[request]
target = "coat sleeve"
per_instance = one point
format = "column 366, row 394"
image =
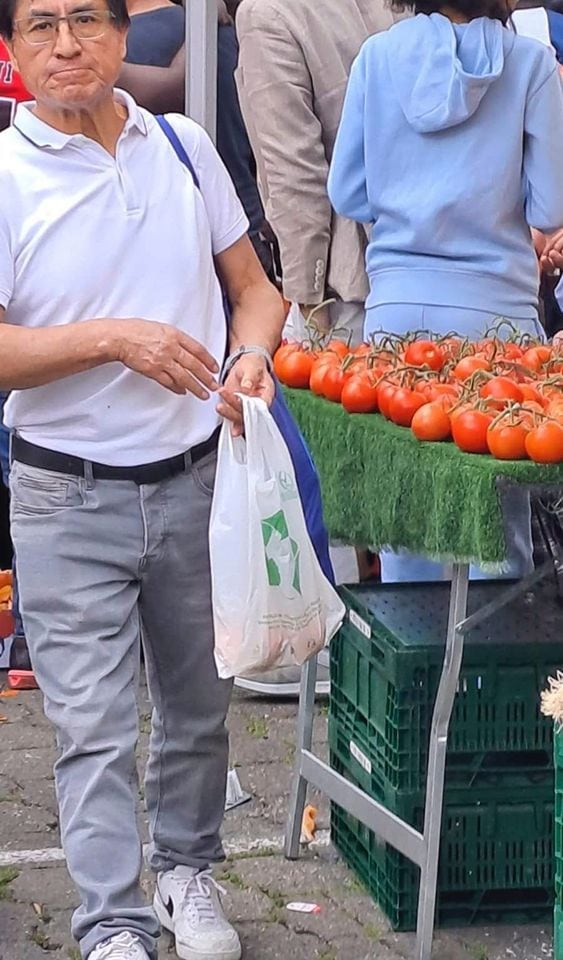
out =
column 543, row 145
column 347, row 182
column 276, row 95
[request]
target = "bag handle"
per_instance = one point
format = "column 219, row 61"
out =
column 259, row 424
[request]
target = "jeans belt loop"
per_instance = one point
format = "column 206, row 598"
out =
column 89, row 475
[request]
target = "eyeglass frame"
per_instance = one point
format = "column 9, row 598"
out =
column 108, row 16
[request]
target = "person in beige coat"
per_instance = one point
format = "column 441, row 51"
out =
column 294, row 62
column 295, row 59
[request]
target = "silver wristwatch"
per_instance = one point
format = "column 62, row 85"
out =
column 240, row 352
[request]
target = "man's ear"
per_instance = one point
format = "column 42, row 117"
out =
column 124, row 33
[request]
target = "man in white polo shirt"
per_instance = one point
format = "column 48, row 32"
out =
column 113, row 337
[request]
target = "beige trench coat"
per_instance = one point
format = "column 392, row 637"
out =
column 295, row 58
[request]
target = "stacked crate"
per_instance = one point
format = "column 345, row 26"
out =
column 558, row 915
column 497, row 849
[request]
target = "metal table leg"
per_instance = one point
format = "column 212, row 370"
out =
column 304, row 742
column 437, row 761
column 421, row 848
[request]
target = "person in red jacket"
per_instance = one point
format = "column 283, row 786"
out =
column 20, row 674
column 12, row 90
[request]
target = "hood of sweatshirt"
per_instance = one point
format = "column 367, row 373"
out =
column 441, row 71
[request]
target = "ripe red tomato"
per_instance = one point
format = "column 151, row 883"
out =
column 282, row 353
column 295, row 369
column 466, row 367
column 385, row 391
column 535, row 357
column 431, row 422
column 450, row 347
column 502, row 390
column 403, row 405
column 359, row 395
column 469, row 430
column 529, row 392
column 355, row 367
column 544, row 443
column 340, row 348
column 333, row 382
column 329, row 355
column 486, row 348
column 507, row 441
column 363, row 350
column 511, row 351
column 424, row 387
column 424, row 353
column 555, row 408
column 316, row 380
column 446, row 393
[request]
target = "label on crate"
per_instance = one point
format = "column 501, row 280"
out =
column 358, row 755
column 360, row 624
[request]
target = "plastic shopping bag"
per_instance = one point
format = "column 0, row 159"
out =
column 272, row 604
column 308, row 482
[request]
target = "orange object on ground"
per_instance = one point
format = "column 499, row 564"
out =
column 6, row 624
column 309, row 824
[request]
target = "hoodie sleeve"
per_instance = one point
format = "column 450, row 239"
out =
column 543, row 153
column 347, row 182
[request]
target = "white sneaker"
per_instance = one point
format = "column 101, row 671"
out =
column 124, row 946
column 285, row 681
column 187, row 903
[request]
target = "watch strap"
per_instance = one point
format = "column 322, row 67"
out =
column 241, row 352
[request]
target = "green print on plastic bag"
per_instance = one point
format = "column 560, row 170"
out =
column 281, row 553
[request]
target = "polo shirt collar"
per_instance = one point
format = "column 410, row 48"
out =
column 43, row 135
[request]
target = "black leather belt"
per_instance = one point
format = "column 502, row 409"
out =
column 34, row 456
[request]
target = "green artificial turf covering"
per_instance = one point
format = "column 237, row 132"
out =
column 383, row 487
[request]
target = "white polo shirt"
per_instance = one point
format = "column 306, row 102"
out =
column 83, row 236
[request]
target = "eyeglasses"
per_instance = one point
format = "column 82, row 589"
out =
column 83, row 24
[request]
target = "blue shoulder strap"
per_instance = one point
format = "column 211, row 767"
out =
column 177, row 146
column 170, row 133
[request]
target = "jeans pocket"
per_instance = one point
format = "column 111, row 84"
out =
column 38, row 492
column 204, row 473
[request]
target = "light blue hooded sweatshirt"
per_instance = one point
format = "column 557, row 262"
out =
column 451, row 146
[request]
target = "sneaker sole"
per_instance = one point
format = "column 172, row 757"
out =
column 185, row 952
column 322, row 688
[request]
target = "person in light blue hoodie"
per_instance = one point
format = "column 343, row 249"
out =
column 450, row 147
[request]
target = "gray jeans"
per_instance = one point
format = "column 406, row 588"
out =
column 96, row 559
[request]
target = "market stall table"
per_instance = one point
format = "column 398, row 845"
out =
column 383, row 487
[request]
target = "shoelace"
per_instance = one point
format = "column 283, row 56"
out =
column 197, row 891
column 122, row 947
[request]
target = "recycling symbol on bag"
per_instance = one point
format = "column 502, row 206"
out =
column 282, row 555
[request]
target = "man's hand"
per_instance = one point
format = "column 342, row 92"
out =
column 539, row 241
column 552, row 255
column 250, row 375
column 224, row 17
column 165, row 354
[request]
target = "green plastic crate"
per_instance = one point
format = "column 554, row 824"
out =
column 385, row 669
column 496, row 858
column 558, row 933
column 558, row 917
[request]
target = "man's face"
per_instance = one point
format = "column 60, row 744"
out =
column 66, row 73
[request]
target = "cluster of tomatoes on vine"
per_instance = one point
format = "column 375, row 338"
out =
column 495, row 396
